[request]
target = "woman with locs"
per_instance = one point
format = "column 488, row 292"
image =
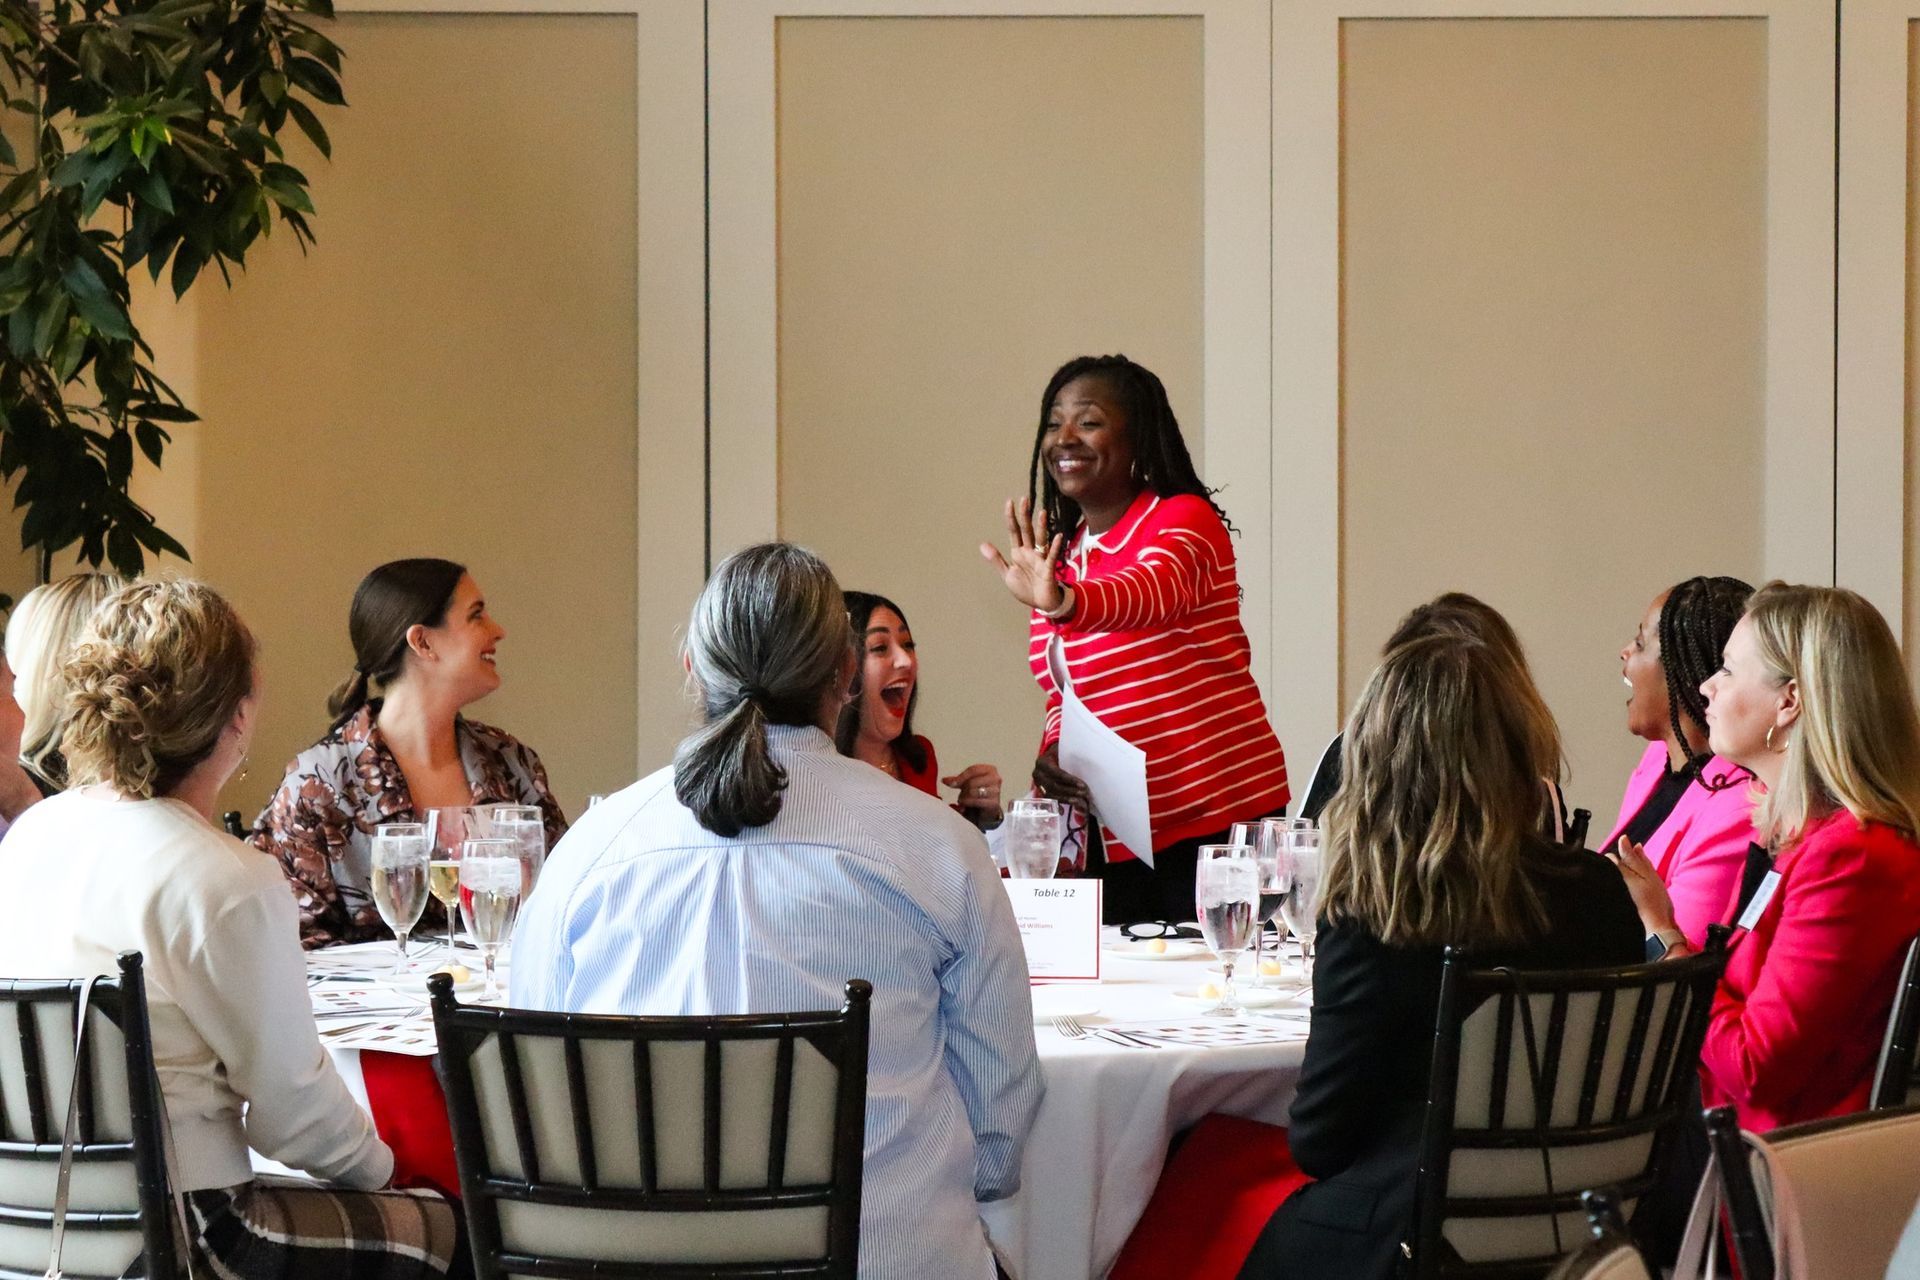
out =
column 1127, row 565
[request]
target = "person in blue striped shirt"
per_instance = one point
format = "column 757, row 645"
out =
column 763, row 869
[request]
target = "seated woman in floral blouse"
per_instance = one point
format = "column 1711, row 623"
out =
column 421, row 632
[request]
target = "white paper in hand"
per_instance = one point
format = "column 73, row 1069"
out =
column 1114, row 770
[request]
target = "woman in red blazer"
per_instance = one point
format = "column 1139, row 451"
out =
column 1813, row 698
column 1687, row 817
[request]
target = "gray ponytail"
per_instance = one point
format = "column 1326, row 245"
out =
column 766, row 643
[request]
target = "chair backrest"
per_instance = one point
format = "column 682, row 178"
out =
column 119, row 1216
column 1611, row 1254
column 1896, row 1082
column 1325, row 780
column 1615, row 1049
column 1849, row 1182
column 591, row 1145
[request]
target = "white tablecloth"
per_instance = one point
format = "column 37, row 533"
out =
column 1098, row 1144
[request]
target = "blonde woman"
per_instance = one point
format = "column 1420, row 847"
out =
column 160, row 710
column 1812, row 697
column 40, row 634
column 1433, row 840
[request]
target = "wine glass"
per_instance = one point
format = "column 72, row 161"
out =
column 400, row 872
column 448, row 828
column 1273, row 888
column 1300, row 864
column 522, row 824
column 1033, row 839
column 490, row 880
column 1226, row 889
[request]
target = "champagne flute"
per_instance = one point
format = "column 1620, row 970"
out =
column 522, row 824
column 1033, row 839
column 1273, row 888
column 1226, row 890
column 490, row 879
column 400, row 875
column 1300, row 863
column 449, row 827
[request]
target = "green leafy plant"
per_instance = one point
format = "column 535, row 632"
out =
column 152, row 137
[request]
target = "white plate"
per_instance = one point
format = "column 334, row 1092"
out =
column 1251, row 997
column 1177, row 949
column 1063, row 1002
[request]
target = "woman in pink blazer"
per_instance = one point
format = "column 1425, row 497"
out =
column 1687, row 818
column 1812, row 696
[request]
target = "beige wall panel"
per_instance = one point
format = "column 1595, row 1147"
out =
column 450, row 372
column 1553, row 334
column 965, row 204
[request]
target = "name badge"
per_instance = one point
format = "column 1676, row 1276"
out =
column 1059, row 926
column 1758, row 903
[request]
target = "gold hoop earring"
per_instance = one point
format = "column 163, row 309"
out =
column 1784, row 744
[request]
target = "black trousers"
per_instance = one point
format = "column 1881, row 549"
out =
column 1134, row 892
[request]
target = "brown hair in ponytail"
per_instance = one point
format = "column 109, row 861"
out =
column 767, row 642
column 388, row 603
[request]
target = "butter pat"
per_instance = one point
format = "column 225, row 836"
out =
column 1209, row 992
column 1157, row 946
column 458, row 972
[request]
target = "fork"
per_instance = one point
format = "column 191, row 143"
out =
column 1073, row 1029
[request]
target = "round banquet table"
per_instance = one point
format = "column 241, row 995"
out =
column 1093, row 1154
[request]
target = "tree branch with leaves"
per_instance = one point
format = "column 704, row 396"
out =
column 152, row 139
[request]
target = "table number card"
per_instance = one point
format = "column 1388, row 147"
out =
column 1060, row 926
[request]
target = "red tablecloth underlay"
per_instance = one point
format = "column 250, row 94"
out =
column 410, row 1113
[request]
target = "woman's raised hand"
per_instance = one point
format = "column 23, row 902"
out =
column 1027, row 568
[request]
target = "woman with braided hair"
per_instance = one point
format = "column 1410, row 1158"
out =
column 1124, row 558
column 1687, row 818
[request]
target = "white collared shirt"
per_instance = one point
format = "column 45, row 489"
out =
column 640, row 910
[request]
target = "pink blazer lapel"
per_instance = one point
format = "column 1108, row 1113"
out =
column 1646, row 776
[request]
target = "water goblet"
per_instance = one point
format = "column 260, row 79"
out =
column 490, row 881
column 522, row 824
column 1226, row 891
column 399, row 880
column 1033, row 839
column 1300, row 864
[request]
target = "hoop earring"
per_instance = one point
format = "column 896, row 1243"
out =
column 1784, row 743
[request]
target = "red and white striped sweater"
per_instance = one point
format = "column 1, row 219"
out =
column 1156, row 650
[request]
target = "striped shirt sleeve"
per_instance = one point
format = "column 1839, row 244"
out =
column 985, row 1002
column 1165, row 584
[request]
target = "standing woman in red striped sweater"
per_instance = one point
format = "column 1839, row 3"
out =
column 1134, row 596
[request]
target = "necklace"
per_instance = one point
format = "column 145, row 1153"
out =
column 890, row 765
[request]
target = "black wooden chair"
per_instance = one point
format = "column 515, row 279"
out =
column 120, row 1216
column 1503, row 1161
column 610, row 1148
column 1854, row 1182
column 1896, row 1082
column 1610, row 1253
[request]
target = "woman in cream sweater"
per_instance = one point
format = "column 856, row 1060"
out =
column 162, row 690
